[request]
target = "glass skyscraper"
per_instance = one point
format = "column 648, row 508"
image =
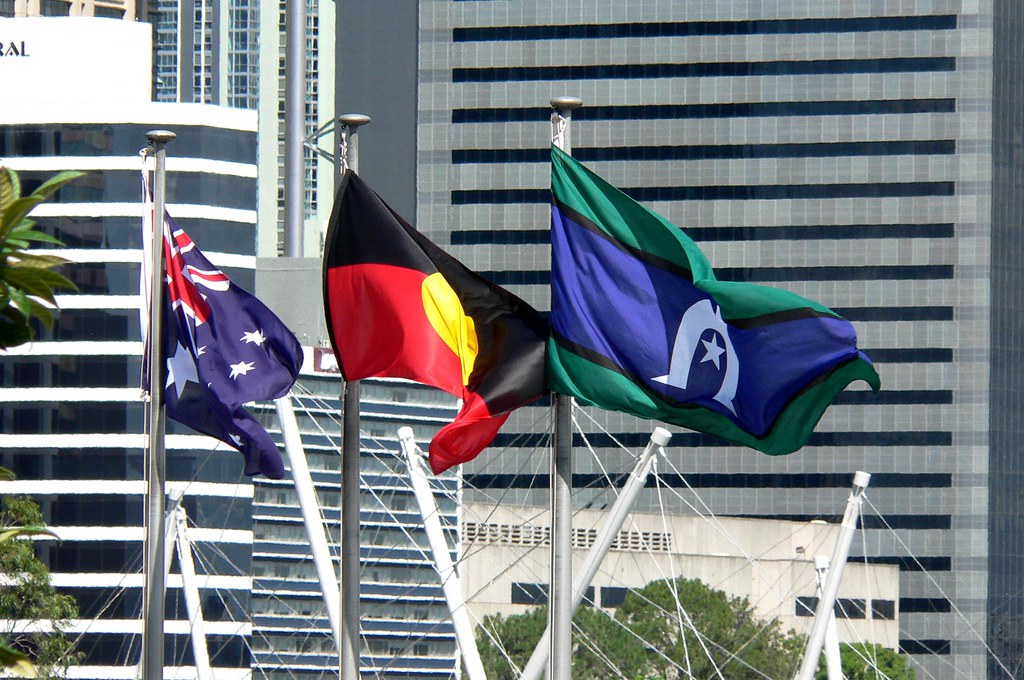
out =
column 864, row 153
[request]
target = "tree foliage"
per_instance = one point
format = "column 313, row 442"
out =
column 27, row 281
column 645, row 641
column 37, row 614
column 868, row 661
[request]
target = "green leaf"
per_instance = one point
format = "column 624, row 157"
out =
column 8, row 533
column 20, row 302
column 6, row 475
column 13, row 333
column 41, row 312
column 39, row 261
column 50, row 186
column 16, row 662
column 35, row 281
column 29, row 280
column 34, row 235
column 10, row 187
column 16, row 212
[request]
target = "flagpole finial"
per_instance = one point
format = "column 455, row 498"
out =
column 566, row 104
column 160, row 136
column 353, row 120
column 348, row 126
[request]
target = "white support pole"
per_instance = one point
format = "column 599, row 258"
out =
column 560, row 583
column 826, row 602
column 450, row 582
column 833, row 661
column 193, row 603
column 310, row 507
column 609, row 530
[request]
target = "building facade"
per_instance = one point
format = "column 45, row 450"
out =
column 865, row 154
column 70, row 403
column 404, row 621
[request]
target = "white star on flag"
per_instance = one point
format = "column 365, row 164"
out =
column 255, row 337
column 714, row 350
column 181, row 368
column 241, row 368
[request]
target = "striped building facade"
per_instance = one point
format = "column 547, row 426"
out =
column 866, row 154
column 71, row 414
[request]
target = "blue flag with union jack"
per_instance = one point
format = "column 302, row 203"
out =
column 223, row 349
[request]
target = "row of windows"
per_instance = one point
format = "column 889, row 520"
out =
column 871, row 521
column 115, row 649
column 692, row 439
column 712, row 152
column 115, row 510
column 850, row 608
column 69, row 371
column 125, row 140
column 723, row 192
column 703, row 69
column 767, row 274
column 125, row 557
column 126, row 603
column 124, row 186
column 709, row 480
column 717, row 110
column 119, row 464
column 942, row 22
column 730, row 234
column 123, row 233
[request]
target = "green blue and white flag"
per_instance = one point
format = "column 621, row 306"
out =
column 640, row 324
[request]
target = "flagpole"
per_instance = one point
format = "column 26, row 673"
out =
column 348, row 159
column 623, row 505
column 295, row 129
column 560, row 583
column 152, row 661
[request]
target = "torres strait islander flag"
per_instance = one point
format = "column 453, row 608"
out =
column 640, row 324
column 398, row 306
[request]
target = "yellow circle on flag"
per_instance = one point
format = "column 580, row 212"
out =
column 450, row 322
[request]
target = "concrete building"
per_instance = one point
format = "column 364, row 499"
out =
column 768, row 562
column 863, row 153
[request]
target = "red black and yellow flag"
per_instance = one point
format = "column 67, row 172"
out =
column 398, row 306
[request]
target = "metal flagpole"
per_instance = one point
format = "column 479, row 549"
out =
column 616, row 517
column 560, row 583
column 295, row 128
column 348, row 158
column 152, row 662
column 451, row 584
column 826, row 602
column 833, row 661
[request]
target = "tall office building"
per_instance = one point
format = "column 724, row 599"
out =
column 232, row 53
column 864, row 153
column 71, row 416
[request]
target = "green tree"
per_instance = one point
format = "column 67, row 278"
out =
column 868, row 661
column 645, row 641
column 28, row 597
column 27, row 281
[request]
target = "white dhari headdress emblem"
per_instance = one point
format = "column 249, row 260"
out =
column 702, row 316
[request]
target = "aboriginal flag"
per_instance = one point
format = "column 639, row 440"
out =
column 398, row 306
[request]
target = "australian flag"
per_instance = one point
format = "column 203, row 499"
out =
column 223, row 348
